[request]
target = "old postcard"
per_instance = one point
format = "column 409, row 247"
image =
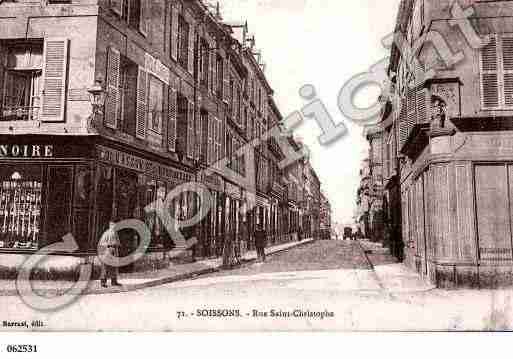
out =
column 244, row 165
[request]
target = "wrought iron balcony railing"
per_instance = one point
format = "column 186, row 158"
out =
column 19, row 113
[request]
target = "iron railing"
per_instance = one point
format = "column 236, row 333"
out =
column 19, row 113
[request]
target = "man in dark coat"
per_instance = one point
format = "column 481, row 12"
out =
column 109, row 244
column 260, row 242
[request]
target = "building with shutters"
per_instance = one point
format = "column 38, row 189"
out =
column 325, row 218
column 183, row 92
column 447, row 145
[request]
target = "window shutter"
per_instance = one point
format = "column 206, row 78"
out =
column 174, row 32
column 54, row 79
column 214, row 74
column 411, row 104
column 490, row 75
column 112, row 101
column 172, row 119
column 235, row 102
column 190, row 129
column 117, row 6
column 143, row 17
column 198, row 131
column 507, row 61
column 192, row 40
column 236, row 156
column 222, row 137
column 210, row 141
column 2, row 76
column 250, row 127
column 403, row 125
column 226, row 81
column 218, row 130
column 216, row 152
column 423, row 113
column 212, row 63
column 141, row 108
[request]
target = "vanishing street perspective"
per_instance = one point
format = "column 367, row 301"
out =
column 149, row 180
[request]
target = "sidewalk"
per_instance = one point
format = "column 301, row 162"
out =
column 392, row 277
column 136, row 281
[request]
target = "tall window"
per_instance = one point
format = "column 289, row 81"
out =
column 496, row 62
column 128, row 10
column 204, row 62
column 183, row 42
column 22, row 82
column 220, row 77
column 155, row 102
column 232, row 98
column 128, row 95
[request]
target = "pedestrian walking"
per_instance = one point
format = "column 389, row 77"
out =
column 244, row 236
column 260, row 242
column 109, row 244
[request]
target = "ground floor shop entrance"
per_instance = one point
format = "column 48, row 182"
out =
column 51, row 187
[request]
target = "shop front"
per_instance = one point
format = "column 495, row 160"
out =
column 45, row 192
column 211, row 232
column 126, row 184
column 52, row 186
column 233, row 204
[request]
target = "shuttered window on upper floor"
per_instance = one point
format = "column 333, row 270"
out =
column 415, row 109
column 496, row 73
column 55, row 63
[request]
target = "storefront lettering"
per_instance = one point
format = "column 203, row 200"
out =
column 142, row 165
column 26, row 151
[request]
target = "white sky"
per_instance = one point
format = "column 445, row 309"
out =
column 303, row 42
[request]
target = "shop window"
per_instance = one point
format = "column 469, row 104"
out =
column 20, row 207
column 156, row 192
column 59, row 194
column 81, row 204
column 127, row 207
column 21, row 82
column 104, row 198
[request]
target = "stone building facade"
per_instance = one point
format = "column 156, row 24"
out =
column 181, row 91
column 448, row 142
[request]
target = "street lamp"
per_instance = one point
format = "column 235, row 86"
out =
column 97, row 97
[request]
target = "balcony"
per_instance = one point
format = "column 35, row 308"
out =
column 19, row 113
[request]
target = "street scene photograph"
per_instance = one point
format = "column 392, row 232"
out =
column 255, row 166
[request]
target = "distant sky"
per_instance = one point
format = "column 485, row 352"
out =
column 323, row 43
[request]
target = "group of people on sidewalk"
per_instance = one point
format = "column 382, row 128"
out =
column 110, row 244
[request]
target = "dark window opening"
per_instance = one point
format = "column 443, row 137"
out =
column 128, row 96
column 21, row 85
column 183, row 42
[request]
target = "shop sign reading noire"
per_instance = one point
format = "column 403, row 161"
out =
column 26, row 151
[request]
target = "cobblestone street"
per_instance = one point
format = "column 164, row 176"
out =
column 321, row 277
column 320, row 255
